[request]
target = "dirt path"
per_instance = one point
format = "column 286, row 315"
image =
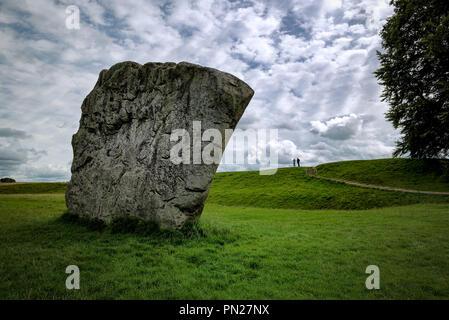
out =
column 311, row 172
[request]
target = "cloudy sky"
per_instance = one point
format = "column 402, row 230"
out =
column 310, row 63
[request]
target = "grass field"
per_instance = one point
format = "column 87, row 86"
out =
column 425, row 175
column 33, row 188
column 248, row 249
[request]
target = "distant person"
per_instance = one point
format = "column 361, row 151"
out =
column 298, row 162
column 294, row 162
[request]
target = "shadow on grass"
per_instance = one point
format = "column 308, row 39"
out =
column 135, row 227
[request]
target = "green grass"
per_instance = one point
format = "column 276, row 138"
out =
column 425, row 175
column 33, row 188
column 258, row 239
column 291, row 188
column 246, row 253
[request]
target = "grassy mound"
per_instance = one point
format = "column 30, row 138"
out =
column 291, row 188
column 246, row 253
column 425, row 175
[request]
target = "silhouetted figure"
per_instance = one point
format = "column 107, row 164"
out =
column 293, row 162
column 298, row 162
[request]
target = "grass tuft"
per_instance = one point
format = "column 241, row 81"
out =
column 133, row 225
column 91, row 224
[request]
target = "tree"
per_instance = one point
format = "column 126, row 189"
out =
column 414, row 71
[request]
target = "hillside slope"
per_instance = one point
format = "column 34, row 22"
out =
column 291, row 188
column 424, row 175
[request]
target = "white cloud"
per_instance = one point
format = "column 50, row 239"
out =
column 308, row 61
column 331, row 5
column 338, row 128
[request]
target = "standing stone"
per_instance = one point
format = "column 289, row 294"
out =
column 122, row 166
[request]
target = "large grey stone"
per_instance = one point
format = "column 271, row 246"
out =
column 121, row 164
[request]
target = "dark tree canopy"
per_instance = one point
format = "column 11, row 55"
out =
column 415, row 74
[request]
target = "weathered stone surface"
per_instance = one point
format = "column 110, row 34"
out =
column 121, row 164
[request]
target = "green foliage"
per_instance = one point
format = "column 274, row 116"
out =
column 291, row 188
column 414, row 73
column 247, row 253
column 425, row 175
